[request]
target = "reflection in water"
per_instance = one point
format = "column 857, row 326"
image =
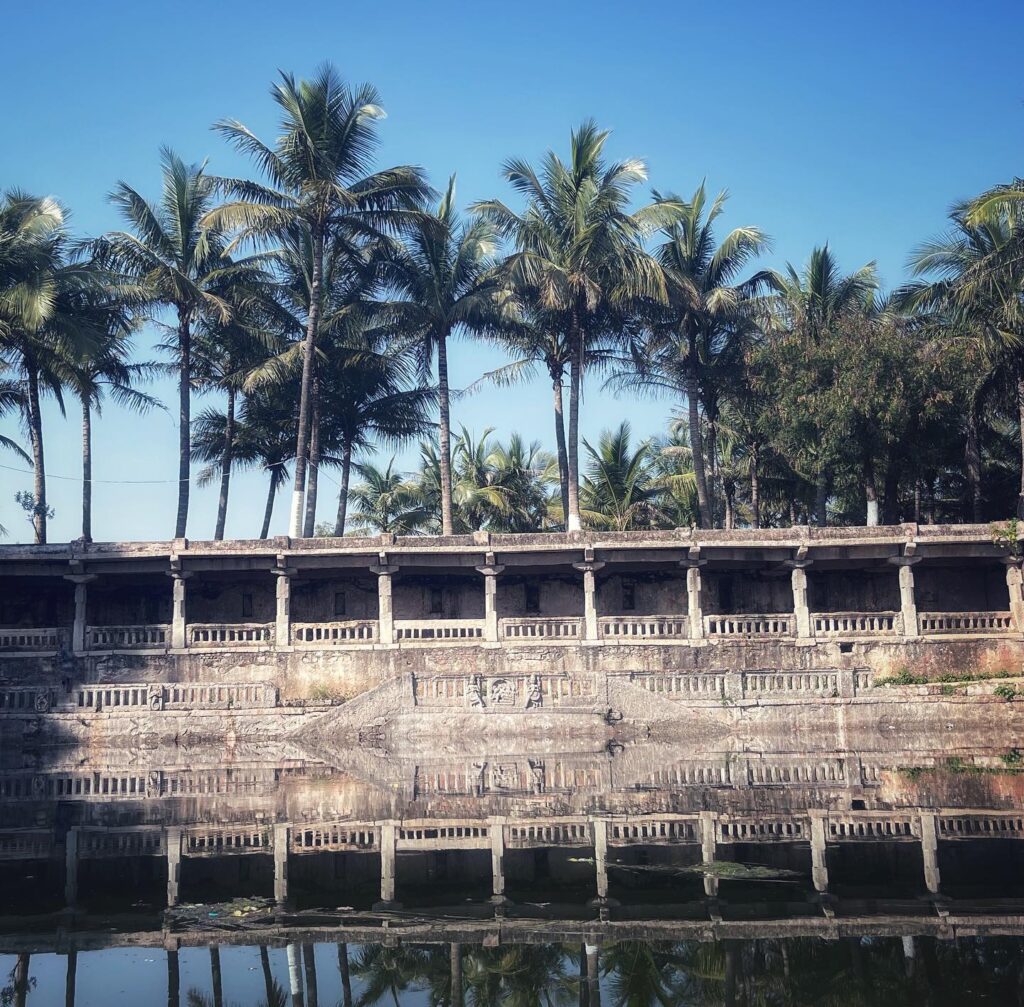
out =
column 517, row 871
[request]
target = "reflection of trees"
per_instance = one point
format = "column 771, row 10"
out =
column 386, row 972
column 519, row 975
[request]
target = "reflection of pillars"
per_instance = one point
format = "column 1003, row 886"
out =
column 600, row 827
column 801, row 610
column 490, row 572
column 179, row 638
column 295, row 975
column 173, row 840
column 216, row 980
column 592, row 958
column 71, row 978
column 908, row 605
column 71, row 869
column 1015, row 587
column 455, row 974
column 930, row 853
column 694, row 599
column 589, row 570
column 282, row 838
column 81, row 595
column 309, row 963
column 819, row 860
column 21, row 980
column 496, row 829
column 385, row 608
column 388, row 836
column 283, row 623
column 173, row 978
column 708, row 844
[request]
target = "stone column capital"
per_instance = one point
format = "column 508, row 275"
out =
column 383, row 569
column 589, row 566
column 80, row 578
column 491, row 570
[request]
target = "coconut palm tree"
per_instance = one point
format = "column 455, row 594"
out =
column 618, row 491
column 579, row 246
column 441, row 283
column 179, row 259
column 317, row 181
column 385, row 500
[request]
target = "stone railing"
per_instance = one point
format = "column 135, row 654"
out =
column 643, row 627
column 252, row 634
column 819, row 683
column 25, row 700
column 135, row 841
column 175, row 696
column 1008, row 825
column 834, row 624
column 127, row 637
column 203, row 841
column 319, row 634
column 541, row 629
column 15, row 639
column 446, row 630
column 740, row 626
column 873, row 825
column 933, row 623
column 334, row 837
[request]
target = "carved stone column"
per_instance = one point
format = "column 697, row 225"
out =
column 589, row 568
column 172, row 839
column 283, row 624
column 80, row 580
column 179, row 628
column 490, row 571
column 496, row 830
column 819, row 860
column 71, row 868
column 385, row 609
column 801, row 608
column 930, row 853
column 388, row 839
column 282, row 840
column 708, row 849
column 694, row 593
column 1015, row 587
column 908, row 605
column 600, row 829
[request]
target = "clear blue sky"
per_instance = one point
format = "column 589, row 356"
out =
column 856, row 124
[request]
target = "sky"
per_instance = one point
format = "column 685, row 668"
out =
column 855, row 124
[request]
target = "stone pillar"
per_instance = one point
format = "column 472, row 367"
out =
column 80, row 580
column 694, row 599
column 172, row 839
column 388, row 837
column 283, row 624
column 1015, row 587
column 282, row 840
column 908, row 606
column 819, row 860
column 490, row 573
column 71, row 869
column 708, row 844
column 600, row 827
column 589, row 568
column 385, row 610
column 496, row 830
column 930, row 852
column 801, row 609
column 179, row 630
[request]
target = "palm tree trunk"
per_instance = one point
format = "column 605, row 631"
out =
column 455, row 968
column 755, row 487
column 184, row 421
column 573, row 522
column 730, row 507
column 305, row 394
column 86, row 470
column 225, row 466
column 696, row 442
column 593, row 974
column 821, row 500
column 309, row 524
column 713, row 463
column 295, row 975
column 972, row 461
column 21, row 980
column 584, row 988
column 35, row 423
column 563, row 461
column 268, row 975
column 346, row 471
column 870, row 490
column 891, row 494
column 71, row 978
column 1020, row 413
column 444, row 434
column 268, row 511
column 173, row 978
column 215, row 977
column 346, row 978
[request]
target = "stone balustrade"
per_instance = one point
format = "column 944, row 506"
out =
column 988, row 623
column 439, row 630
column 839, row 624
column 748, row 626
column 247, row 634
column 47, row 639
column 643, row 627
column 174, row 696
column 541, row 629
column 331, row 634
column 128, row 637
column 25, row 700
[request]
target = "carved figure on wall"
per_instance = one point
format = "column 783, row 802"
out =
column 42, row 702
column 474, row 693
column 503, row 692
column 505, row 776
column 534, row 695
column 478, row 770
column 537, row 775
column 156, row 698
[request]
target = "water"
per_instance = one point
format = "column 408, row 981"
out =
column 607, row 868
